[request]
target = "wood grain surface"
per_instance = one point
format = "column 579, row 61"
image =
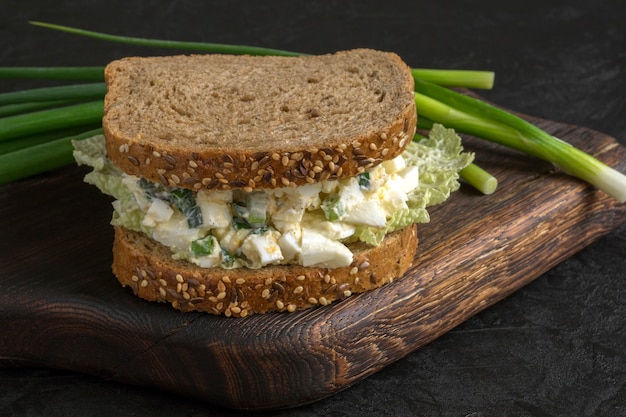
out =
column 61, row 307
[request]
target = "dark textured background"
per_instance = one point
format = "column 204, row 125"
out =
column 555, row 348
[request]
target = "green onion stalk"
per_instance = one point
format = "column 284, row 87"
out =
column 64, row 92
column 46, row 120
column 24, row 142
column 480, row 179
column 19, row 108
column 54, row 73
column 40, row 158
column 474, row 117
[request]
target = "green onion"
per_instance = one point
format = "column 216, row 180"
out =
column 14, row 109
column 181, row 198
column 191, row 46
column 332, row 207
column 153, row 190
column 456, row 78
column 184, row 200
column 65, row 92
column 479, row 179
column 40, row 158
column 39, row 138
column 227, row 258
column 240, row 223
column 203, row 246
column 471, row 116
column 424, row 123
column 54, row 73
column 47, row 120
column 257, row 208
column 240, row 210
column 364, row 180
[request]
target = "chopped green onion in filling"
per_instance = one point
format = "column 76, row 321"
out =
column 364, row 180
column 203, row 246
column 332, row 208
column 181, row 198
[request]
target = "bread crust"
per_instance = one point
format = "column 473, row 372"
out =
column 278, row 161
column 147, row 267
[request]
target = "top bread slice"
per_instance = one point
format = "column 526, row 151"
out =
column 249, row 122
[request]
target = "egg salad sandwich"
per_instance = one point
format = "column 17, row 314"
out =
column 251, row 184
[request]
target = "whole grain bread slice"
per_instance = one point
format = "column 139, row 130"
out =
column 149, row 269
column 228, row 122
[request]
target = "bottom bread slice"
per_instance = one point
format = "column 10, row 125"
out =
column 148, row 268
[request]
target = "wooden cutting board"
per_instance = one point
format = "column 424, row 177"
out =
column 61, row 307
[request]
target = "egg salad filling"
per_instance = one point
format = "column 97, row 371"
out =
column 309, row 225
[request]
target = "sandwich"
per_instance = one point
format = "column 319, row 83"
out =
column 255, row 184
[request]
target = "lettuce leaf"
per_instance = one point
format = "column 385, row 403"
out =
column 108, row 178
column 105, row 175
column 439, row 158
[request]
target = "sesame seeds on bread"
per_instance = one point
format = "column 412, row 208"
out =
column 147, row 267
column 249, row 122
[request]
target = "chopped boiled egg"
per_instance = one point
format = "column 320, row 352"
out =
column 175, row 233
column 132, row 183
column 394, row 165
column 335, row 230
column 215, row 208
column 367, row 212
column 320, row 251
column 357, row 209
column 223, row 196
column 410, row 178
column 158, row 212
column 391, row 195
column 290, row 246
column 291, row 204
column 233, row 239
column 215, row 214
column 262, row 249
column 289, row 213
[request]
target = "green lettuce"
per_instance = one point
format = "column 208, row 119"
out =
column 108, row 178
column 439, row 158
column 105, row 176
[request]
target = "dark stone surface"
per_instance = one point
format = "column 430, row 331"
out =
column 555, row 348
